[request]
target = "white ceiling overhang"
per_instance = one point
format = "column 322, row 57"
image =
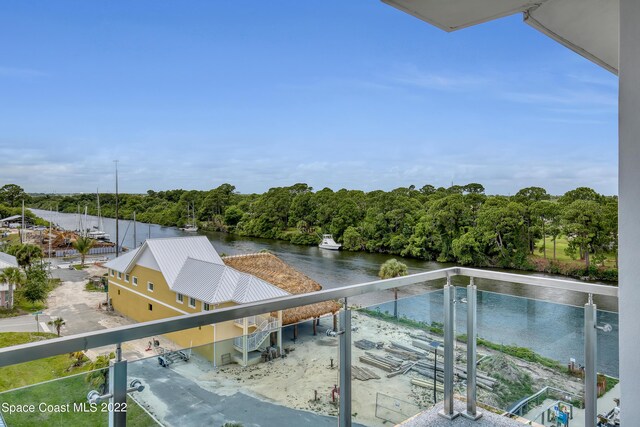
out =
column 588, row 27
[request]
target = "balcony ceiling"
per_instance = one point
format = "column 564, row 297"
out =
column 588, row 27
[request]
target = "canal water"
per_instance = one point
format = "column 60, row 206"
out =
column 548, row 321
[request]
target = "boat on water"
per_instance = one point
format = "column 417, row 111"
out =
column 98, row 232
column 191, row 227
column 328, row 243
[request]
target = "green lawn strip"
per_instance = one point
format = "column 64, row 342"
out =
column 91, row 287
column 70, row 386
column 561, row 244
column 68, row 394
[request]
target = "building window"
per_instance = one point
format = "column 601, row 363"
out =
column 206, row 307
column 113, row 273
column 126, row 278
column 119, row 276
column 150, row 286
column 180, row 298
column 118, row 291
column 192, row 302
column 135, row 281
column 150, row 307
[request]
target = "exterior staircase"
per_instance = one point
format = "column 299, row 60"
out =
column 255, row 340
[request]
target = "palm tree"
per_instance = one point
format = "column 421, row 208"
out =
column 57, row 323
column 83, row 245
column 390, row 269
column 12, row 276
column 26, row 254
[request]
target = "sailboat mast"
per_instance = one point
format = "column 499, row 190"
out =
column 22, row 228
column 117, row 229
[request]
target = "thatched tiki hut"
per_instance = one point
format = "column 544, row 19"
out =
column 272, row 269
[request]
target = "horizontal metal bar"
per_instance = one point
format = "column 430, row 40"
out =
column 39, row 350
column 34, row 351
column 545, row 282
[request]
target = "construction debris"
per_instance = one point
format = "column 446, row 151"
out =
column 363, row 374
column 368, row 345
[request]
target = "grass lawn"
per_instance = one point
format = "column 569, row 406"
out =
column 66, row 385
column 561, row 244
column 91, row 287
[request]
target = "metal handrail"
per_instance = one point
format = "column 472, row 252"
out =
column 39, row 350
column 517, row 408
column 256, row 338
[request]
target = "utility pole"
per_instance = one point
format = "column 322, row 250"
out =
column 22, row 228
column 135, row 238
column 117, row 221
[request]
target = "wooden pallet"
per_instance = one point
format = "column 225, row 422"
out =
column 363, row 374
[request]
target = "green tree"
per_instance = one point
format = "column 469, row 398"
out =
column 57, row 323
column 36, row 285
column 232, row 215
column 547, row 214
column 12, row 195
column 528, row 197
column 26, row 254
column 390, row 269
column 501, row 227
column 352, row 239
column 582, row 223
column 83, row 245
column 14, row 277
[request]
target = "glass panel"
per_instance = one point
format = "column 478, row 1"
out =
column 392, row 356
column 290, row 384
column 530, row 357
column 63, row 402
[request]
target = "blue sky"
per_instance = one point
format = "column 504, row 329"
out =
column 260, row 94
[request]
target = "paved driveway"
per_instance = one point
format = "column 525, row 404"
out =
column 25, row 323
column 178, row 401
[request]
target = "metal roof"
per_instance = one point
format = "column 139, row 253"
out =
column 217, row 283
column 591, row 28
column 170, row 254
column 11, row 218
column 7, row 260
column 121, row 263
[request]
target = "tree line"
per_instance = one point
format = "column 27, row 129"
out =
column 459, row 224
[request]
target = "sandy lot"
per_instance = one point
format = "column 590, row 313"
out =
column 293, row 381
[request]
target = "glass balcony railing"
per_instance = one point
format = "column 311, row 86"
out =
column 379, row 359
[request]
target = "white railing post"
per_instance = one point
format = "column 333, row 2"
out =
column 590, row 367
column 345, row 367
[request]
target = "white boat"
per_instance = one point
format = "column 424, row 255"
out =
column 98, row 235
column 97, row 232
column 329, row 243
column 191, row 227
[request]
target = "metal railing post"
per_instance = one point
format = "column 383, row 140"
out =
column 449, row 341
column 118, row 391
column 472, row 298
column 345, row 367
column 590, row 368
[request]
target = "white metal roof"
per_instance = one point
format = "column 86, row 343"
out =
column 7, row 260
column 170, row 255
column 217, row 283
column 11, row 218
column 121, row 263
column 589, row 27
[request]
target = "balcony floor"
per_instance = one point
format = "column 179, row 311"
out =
column 431, row 418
